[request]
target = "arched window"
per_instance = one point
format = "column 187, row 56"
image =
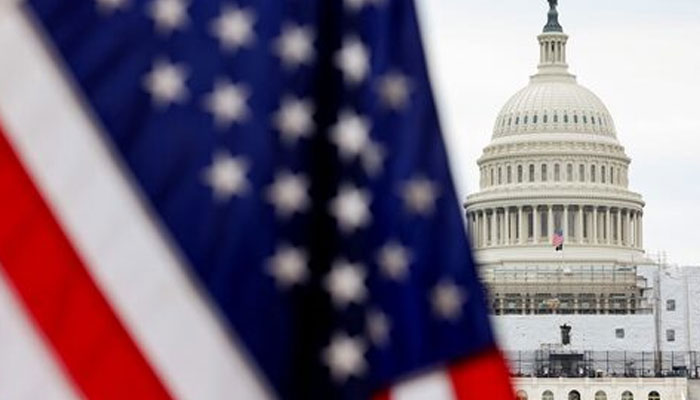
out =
column 531, row 178
column 492, row 181
column 602, row 174
column 654, row 395
column 585, row 119
column 544, row 172
column 500, row 175
column 556, row 118
column 547, row 395
column 582, row 173
column 520, row 174
column 521, row 395
column 557, row 173
column 575, row 119
column 600, row 395
column 517, row 120
column 574, row 395
column 627, row 395
column 593, row 173
column 569, row 173
column 534, row 119
column 566, row 118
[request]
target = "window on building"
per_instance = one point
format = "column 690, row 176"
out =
column 600, row 395
column 544, row 221
column 585, row 119
column 492, row 181
column 569, row 173
column 602, row 174
column 670, row 305
column 593, row 120
column 557, row 172
column 510, row 121
column 547, row 395
column 556, row 118
column 525, row 120
column 670, row 335
column 620, row 333
column 500, row 175
column 575, row 119
column 612, row 170
column 593, row 173
column 582, row 173
column 566, row 119
column 544, row 172
column 654, row 395
column 534, row 119
column 531, row 178
column 520, row 174
column 574, row 395
column 627, row 395
column 517, row 120
column 510, row 174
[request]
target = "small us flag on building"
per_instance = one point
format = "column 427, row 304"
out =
column 558, row 240
column 230, row 199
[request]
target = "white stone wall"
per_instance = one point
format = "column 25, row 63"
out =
column 588, row 332
column 668, row 388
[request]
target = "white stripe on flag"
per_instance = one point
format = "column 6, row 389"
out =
column 434, row 386
column 27, row 369
column 136, row 269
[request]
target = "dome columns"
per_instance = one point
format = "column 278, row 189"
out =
column 534, row 225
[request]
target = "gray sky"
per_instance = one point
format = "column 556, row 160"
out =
column 641, row 57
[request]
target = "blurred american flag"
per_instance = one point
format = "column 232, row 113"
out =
column 249, row 199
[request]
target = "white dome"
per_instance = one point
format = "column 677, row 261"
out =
column 554, row 105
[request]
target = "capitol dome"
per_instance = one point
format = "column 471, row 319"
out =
column 554, row 104
column 554, row 168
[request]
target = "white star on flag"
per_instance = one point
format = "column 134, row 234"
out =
column 345, row 357
column 169, row 15
column 394, row 90
column 227, row 175
column 346, row 283
column 289, row 266
column 294, row 119
column 447, row 300
column 351, row 208
column 350, row 134
column 393, row 260
column 353, row 60
column 110, row 6
column 234, row 28
column 227, row 103
column 289, row 193
column 166, row 83
column 419, row 195
column 295, row 46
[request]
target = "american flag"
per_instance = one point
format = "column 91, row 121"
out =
column 245, row 199
column 558, row 240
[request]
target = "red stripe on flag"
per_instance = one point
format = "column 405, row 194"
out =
column 482, row 377
column 56, row 289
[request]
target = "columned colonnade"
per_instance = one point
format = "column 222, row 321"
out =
column 580, row 224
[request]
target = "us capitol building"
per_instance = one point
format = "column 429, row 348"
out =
column 599, row 319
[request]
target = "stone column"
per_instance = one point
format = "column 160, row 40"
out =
column 494, row 231
column 535, row 224
column 565, row 222
column 507, row 237
column 608, row 226
column 579, row 231
column 550, row 222
column 618, row 227
column 641, row 230
column 521, row 230
column 594, row 225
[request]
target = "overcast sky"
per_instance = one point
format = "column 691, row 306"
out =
column 641, row 57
